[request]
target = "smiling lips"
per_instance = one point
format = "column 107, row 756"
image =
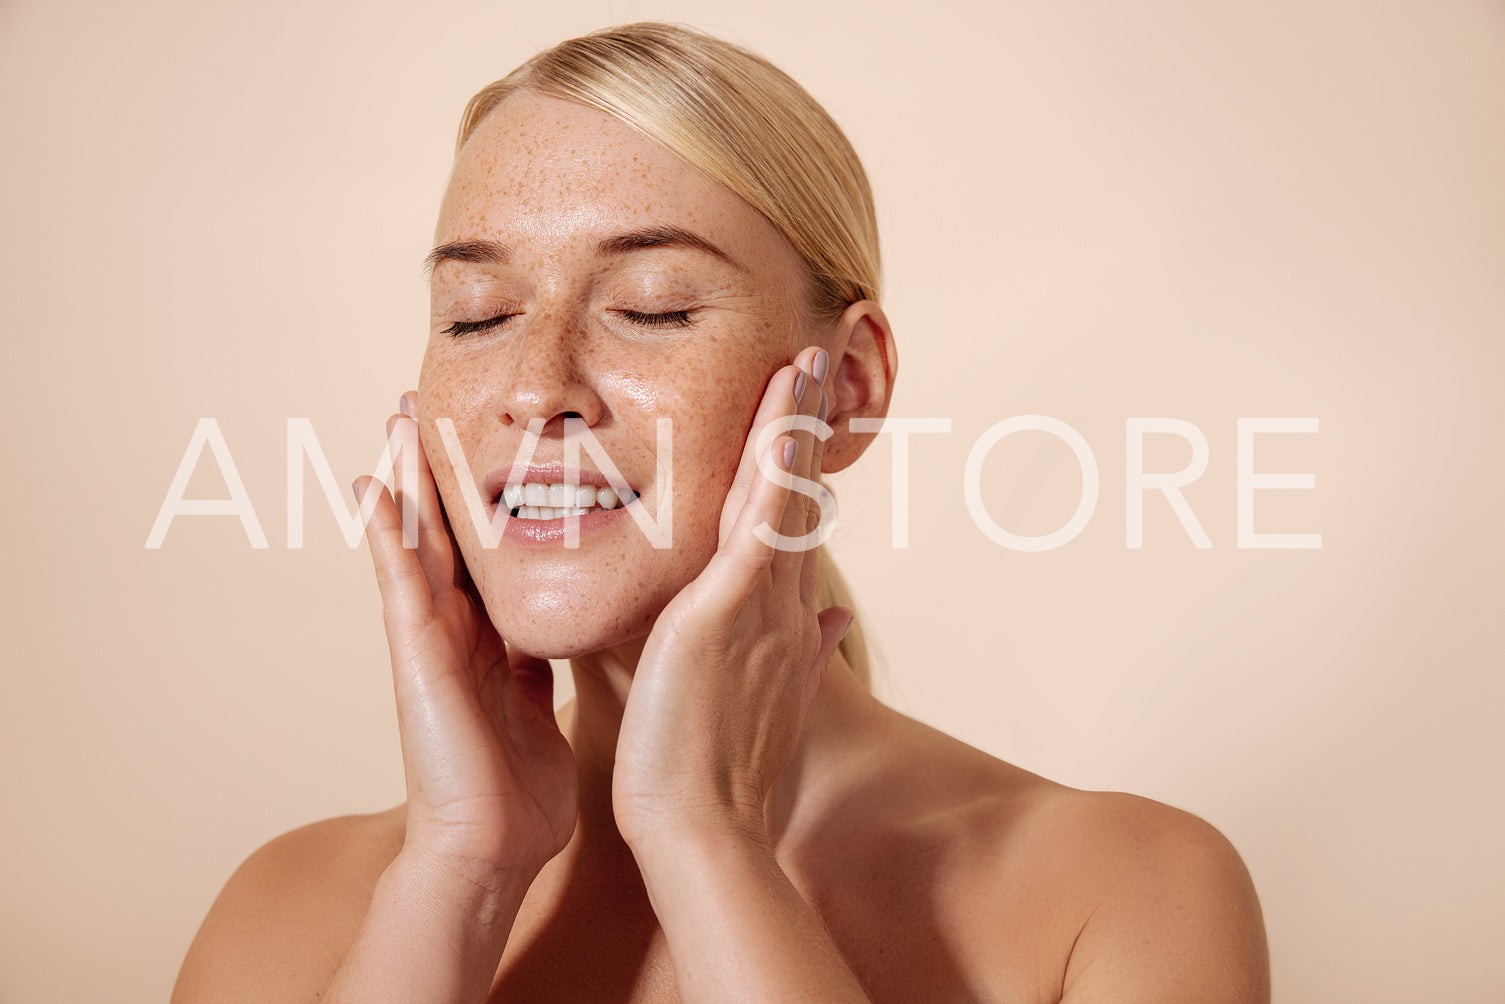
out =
column 538, row 500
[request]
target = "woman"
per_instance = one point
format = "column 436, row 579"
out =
column 649, row 224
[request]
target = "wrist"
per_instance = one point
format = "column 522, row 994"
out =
column 433, row 932
column 690, row 846
column 708, row 813
column 488, row 893
column 690, row 825
column 737, row 925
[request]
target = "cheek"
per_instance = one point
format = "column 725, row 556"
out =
column 434, row 400
column 442, row 382
column 448, row 389
column 711, row 390
column 711, row 430
column 459, row 386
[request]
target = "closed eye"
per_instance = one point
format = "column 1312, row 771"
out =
column 471, row 327
column 668, row 319
column 671, row 319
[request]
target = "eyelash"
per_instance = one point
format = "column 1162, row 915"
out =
column 670, row 319
column 471, row 327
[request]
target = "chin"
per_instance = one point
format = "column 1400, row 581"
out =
column 566, row 620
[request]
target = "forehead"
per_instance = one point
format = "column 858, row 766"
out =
column 552, row 174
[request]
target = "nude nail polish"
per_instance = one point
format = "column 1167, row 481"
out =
column 818, row 367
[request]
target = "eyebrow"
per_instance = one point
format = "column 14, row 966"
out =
column 666, row 235
column 479, row 250
column 489, row 252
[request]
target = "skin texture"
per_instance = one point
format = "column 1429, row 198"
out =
column 565, row 177
column 723, row 812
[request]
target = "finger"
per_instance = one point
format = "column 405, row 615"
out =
column 406, row 603
column 812, row 446
column 779, row 401
column 807, row 405
column 525, row 695
column 437, row 551
column 821, row 371
column 435, row 698
column 834, row 624
column 794, row 564
column 751, row 545
column 529, row 669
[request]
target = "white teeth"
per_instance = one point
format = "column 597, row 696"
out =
column 550, row 512
column 536, row 500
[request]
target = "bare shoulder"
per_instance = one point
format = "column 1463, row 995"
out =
column 1084, row 896
column 286, row 917
column 1173, row 912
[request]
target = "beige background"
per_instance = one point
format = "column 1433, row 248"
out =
column 1091, row 210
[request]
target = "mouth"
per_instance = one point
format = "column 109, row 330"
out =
column 544, row 501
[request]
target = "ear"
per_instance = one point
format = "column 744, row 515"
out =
column 865, row 364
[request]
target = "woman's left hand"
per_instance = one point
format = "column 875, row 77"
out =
column 734, row 660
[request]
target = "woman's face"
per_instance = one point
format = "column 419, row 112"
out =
column 633, row 288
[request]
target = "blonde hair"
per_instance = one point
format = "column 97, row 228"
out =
column 747, row 124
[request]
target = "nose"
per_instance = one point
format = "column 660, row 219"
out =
column 547, row 375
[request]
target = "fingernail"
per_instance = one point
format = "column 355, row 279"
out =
column 355, row 489
column 818, row 368
column 821, row 415
column 850, row 619
column 799, row 386
column 402, row 404
column 789, row 455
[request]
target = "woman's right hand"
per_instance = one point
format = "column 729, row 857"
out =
column 491, row 781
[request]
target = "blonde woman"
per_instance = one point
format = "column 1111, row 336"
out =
column 646, row 224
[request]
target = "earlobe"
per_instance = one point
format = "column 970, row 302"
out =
column 861, row 384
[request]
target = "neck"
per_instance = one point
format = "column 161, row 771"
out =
column 829, row 748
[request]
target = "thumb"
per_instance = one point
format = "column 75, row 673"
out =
column 533, row 677
column 525, row 697
column 834, row 624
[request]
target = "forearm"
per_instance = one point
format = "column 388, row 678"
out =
column 433, row 934
column 737, row 928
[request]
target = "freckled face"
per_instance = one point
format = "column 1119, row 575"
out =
column 615, row 333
